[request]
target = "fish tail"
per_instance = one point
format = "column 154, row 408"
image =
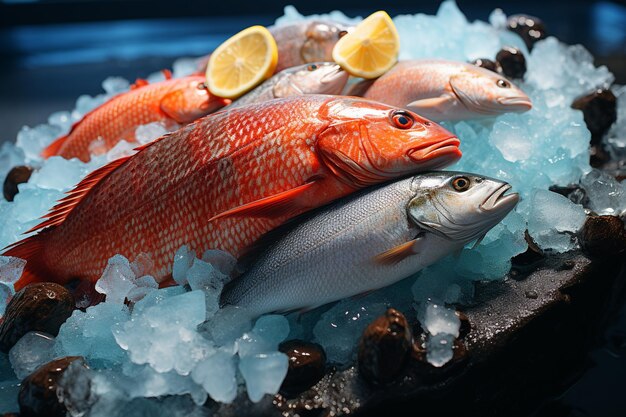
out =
column 30, row 250
column 54, row 148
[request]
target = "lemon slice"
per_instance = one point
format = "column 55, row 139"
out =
column 242, row 62
column 371, row 48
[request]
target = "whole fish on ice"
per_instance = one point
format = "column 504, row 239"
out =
column 172, row 102
column 227, row 179
column 315, row 78
column 370, row 240
column 301, row 42
column 445, row 90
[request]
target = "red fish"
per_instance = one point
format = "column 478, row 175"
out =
column 227, row 179
column 172, row 102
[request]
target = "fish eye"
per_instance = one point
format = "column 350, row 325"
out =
column 402, row 119
column 201, row 86
column 503, row 83
column 461, row 184
column 312, row 67
column 343, row 33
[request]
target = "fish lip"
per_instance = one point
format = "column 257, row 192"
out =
column 447, row 149
column 332, row 75
column 520, row 103
column 499, row 201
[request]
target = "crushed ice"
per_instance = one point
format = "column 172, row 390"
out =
column 176, row 341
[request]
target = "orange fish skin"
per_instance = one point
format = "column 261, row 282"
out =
column 179, row 190
column 172, row 102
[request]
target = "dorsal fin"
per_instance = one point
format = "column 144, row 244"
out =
column 139, row 82
column 62, row 209
column 167, row 73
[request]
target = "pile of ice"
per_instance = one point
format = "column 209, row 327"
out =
column 177, row 341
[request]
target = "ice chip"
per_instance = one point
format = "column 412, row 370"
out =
column 263, row 373
column 117, row 280
column 115, row 85
column 439, row 349
column 33, row 140
column 223, row 261
column 10, row 270
column 606, row 195
column 204, row 277
column 149, row 132
column 142, row 265
column 273, row 328
column 183, row 259
column 183, row 67
column 339, row 329
column 217, row 375
column 62, row 119
column 30, row 352
column 5, row 296
column 440, row 319
column 554, row 220
column 228, row 324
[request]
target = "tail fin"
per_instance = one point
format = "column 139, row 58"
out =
column 30, row 250
column 54, row 148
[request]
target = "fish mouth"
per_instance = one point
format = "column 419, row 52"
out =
column 498, row 201
column 516, row 104
column 334, row 80
column 436, row 155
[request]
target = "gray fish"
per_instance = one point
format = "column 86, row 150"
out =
column 315, row 78
column 371, row 240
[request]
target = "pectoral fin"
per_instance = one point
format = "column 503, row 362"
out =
column 399, row 253
column 286, row 203
column 440, row 104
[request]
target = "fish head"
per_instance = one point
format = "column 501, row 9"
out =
column 459, row 206
column 320, row 39
column 314, row 78
column 189, row 100
column 367, row 142
column 488, row 93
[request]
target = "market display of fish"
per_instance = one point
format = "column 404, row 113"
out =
column 227, row 179
column 371, row 240
column 445, row 90
column 173, row 102
column 315, row 78
column 302, row 42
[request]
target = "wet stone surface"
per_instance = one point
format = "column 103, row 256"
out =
column 307, row 365
column 385, row 347
column 38, row 393
column 599, row 110
column 512, row 62
column 37, row 307
column 603, row 237
column 530, row 28
column 16, row 175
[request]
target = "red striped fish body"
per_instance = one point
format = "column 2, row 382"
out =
column 173, row 102
column 224, row 181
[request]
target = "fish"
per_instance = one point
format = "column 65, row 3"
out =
column 315, row 78
column 445, row 90
column 302, row 42
column 369, row 240
column 227, row 179
column 172, row 102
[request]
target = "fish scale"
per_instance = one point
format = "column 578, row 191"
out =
column 183, row 188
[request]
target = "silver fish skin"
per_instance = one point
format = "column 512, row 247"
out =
column 315, row 78
column 445, row 90
column 371, row 240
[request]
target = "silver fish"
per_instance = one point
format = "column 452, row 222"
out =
column 371, row 240
column 315, row 78
column 445, row 90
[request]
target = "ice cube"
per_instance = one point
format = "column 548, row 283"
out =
column 606, row 195
column 30, row 352
column 217, row 375
column 115, row 85
column 183, row 67
column 554, row 220
column 228, row 324
column 263, row 373
column 149, row 132
column 439, row 349
column 6, row 293
column 117, row 280
column 10, row 270
column 438, row 319
column 183, row 259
